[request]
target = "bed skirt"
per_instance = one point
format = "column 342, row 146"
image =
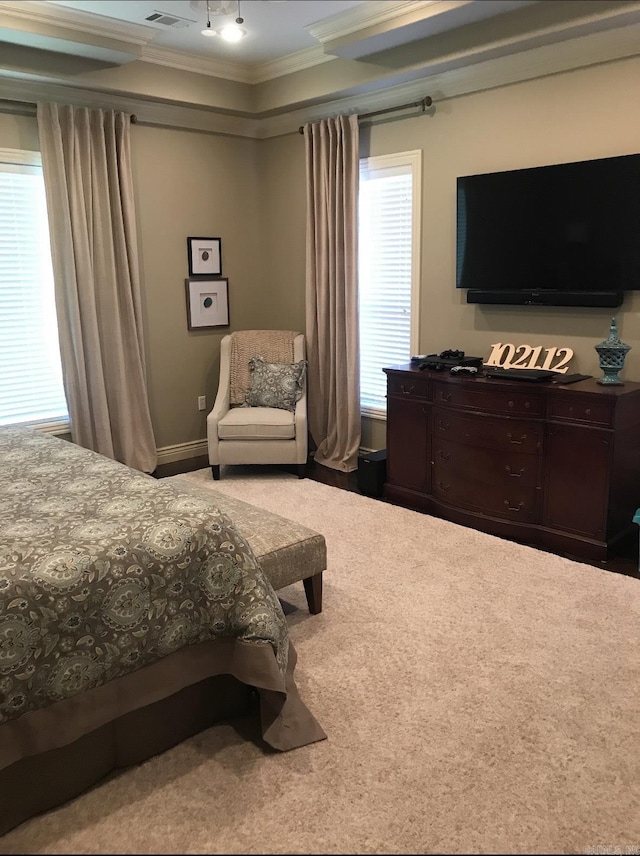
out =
column 41, row 782
column 65, row 748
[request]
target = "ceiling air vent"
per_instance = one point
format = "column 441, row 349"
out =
column 168, row 20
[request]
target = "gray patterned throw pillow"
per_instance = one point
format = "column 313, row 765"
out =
column 275, row 384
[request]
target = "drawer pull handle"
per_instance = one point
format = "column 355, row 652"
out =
column 443, row 487
column 445, row 396
column 407, row 390
column 588, row 411
column 511, row 508
column 516, row 442
column 443, row 426
column 514, row 475
column 444, row 455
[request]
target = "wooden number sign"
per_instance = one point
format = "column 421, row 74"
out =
column 526, row 357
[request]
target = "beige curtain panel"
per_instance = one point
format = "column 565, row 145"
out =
column 331, row 148
column 86, row 162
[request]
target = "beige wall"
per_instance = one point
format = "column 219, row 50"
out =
column 283, row 223
column 18, row 132
column 252, row 194
column 578, row 115
column 574, row 116
column 193, row 184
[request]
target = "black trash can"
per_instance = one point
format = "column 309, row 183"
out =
column 372, row 472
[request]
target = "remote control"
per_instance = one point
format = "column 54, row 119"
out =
column 570, row 378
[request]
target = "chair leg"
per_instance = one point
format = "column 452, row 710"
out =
column 313, row 591
column 302, row 471
column 215, row 469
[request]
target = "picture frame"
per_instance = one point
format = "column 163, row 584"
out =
column 207, row 303
column 205, row 256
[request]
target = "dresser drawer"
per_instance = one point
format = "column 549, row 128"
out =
column 409, row 387
column 508, row 469
column 485, row 399
column 581, row 410
column 511, row 499
column 488, row 432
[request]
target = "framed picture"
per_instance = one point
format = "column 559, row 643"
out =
column 207, row 303
column 205, row 256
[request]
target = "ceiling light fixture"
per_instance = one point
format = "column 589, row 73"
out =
column 229, row 32
column 234, row 32
column 207, row 30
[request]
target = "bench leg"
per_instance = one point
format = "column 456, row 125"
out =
column 215, row 469
column 313, row 591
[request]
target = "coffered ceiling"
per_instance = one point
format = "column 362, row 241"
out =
column 281, row 34
column 275, row 29
column 299, row 56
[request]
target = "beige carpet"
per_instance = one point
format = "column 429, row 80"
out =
column 479, row 697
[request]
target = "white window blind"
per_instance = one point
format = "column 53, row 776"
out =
column 388, row 235
column 31, row 389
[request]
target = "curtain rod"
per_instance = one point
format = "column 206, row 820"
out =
column 425, row 102
column 28, row 108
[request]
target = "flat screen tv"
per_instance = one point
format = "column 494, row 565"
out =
column 561, row 235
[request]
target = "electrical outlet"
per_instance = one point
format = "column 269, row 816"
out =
column 202, row 402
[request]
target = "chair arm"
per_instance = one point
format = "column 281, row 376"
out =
column 221, row 405
column 302, row 438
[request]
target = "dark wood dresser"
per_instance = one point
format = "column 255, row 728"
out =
column 552, row 466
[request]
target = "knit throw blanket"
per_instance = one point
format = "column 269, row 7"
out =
column 275, row 346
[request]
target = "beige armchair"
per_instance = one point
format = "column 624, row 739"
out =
column 239, row 434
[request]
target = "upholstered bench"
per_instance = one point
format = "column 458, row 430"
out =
column 287, row 551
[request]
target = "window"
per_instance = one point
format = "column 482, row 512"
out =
column 389, row 270
column 31, row 390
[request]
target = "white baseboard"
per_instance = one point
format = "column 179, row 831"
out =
column 182, row 451
column 196, row 448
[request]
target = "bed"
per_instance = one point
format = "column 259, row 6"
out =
column 132, row 614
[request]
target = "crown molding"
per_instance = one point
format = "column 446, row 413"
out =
column 77, row 21
column 70, row 23
column 452, row 76
column 298, row 61
column 209, row 66
column 237, row 72
column 351, row 22
column 368, row 15
column 66, row 21
column 466, row 78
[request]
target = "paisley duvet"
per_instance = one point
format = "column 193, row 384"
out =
column 104, row 570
